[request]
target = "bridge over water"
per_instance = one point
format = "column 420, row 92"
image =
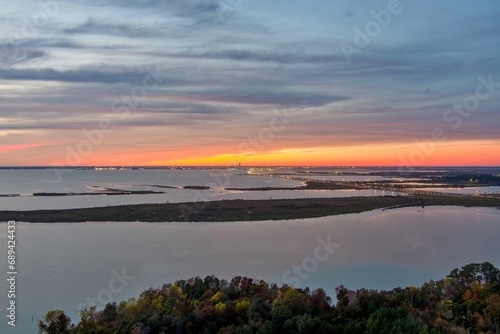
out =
column 361, row 185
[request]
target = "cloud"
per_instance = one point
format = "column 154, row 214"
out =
column 11, row 55
column 269, row 97
column 86, row 75
column 226, row 65
column 262, row 55
column 92, row 27
column 18, row 147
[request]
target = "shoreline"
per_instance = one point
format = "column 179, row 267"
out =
column 242, row 210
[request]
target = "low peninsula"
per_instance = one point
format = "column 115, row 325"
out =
column 243, row 210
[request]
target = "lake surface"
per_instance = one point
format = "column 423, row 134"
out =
column 27, row 182
column 70, row 266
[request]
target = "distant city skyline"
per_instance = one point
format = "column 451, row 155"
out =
column 227, row 82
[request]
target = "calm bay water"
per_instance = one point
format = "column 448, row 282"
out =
column 27, row 182
column 69, row 266
column 72, row 266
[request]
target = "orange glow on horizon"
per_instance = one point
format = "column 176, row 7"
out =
column 457, row 153
column 9, row 148
column 461, row 153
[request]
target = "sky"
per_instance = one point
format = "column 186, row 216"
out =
column 250, row 82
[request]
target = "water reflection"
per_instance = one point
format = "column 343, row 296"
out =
column 62, row 265
column 27, row 182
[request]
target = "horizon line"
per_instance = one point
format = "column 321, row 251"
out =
column 252, row 166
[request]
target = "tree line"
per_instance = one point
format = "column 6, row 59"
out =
column 466, row 301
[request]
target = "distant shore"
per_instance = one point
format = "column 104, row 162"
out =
column 242, row 210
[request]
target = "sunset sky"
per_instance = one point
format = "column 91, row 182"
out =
column 220, row 82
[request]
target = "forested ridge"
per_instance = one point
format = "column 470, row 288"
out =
column 466, row 301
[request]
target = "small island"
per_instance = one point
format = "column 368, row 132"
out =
column 244, row 210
